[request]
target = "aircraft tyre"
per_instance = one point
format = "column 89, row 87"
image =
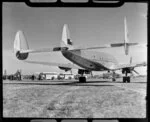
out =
column 113, row 79
column 82, row 79
column 124, row 79
column 128, row 79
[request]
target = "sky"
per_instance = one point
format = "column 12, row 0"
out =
column 88, row 27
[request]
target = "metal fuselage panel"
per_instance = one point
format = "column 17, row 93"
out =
column 91, row 60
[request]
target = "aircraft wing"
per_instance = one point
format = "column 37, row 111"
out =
column 69, row 65
column 132, row 65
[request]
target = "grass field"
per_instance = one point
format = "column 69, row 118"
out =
column 73, row 100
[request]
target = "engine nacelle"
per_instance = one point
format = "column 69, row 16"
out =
column 81, row 71
column 65, row 68
column 126, row 70
column 21, row 56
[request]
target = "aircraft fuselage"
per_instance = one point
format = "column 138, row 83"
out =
column 91, row 60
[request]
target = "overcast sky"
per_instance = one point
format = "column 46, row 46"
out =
column 88, row 27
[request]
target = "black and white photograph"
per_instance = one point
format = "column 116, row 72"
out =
column 74, row 62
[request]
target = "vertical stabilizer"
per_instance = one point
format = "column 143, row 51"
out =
column 126, row 43
column 20, row 42
column 126, row 31
column 66, row 40
column 126, row 39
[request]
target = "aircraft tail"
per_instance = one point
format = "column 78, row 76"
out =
column 127, row 44
column 66, row 40
column 126, row 39
column 20, row 44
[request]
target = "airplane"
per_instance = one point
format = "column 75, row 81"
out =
column 83, row 59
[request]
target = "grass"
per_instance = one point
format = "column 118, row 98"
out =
column 69, row 101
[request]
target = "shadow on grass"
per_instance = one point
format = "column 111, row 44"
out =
column 75, row 83
column 72, row 83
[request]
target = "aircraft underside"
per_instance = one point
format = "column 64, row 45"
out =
column 90, row 65
column 84, row 62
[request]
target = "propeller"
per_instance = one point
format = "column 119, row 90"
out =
column 131, row 60
column 91, row 74
column 135, row 72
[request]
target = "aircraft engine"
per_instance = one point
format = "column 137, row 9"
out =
column 21, row 56
column 81, row 71
column 126, row 70
column 65, row 68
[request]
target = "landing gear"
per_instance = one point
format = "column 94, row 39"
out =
column 113, row 79
column 82, row 79
column 126, row 78
column 113, row 76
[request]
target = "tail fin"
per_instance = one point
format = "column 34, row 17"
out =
column 20, row 44
column 126, row 40
column 126, row 31
column 66, row 40
column 127, row 44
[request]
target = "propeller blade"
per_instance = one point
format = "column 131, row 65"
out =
column 130, row 60
column 132, row 73
column 135, row 71
column 91, row 74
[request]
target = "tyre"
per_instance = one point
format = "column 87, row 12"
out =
column 113, row 79
column 124, row 79
column 128, row 79
column 82, row 79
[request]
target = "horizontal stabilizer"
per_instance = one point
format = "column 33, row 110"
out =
column 122, row 44
column 89, row 48
column 44, row 50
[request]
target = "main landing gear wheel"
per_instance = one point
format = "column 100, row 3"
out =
column 126, row 79
column 82, row 79
column 113, row 79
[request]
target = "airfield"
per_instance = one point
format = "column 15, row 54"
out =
column 98, row 98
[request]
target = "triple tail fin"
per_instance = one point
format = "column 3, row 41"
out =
column 126, row 43
column 66, row 40
column 20, row 42
column 126, row 38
